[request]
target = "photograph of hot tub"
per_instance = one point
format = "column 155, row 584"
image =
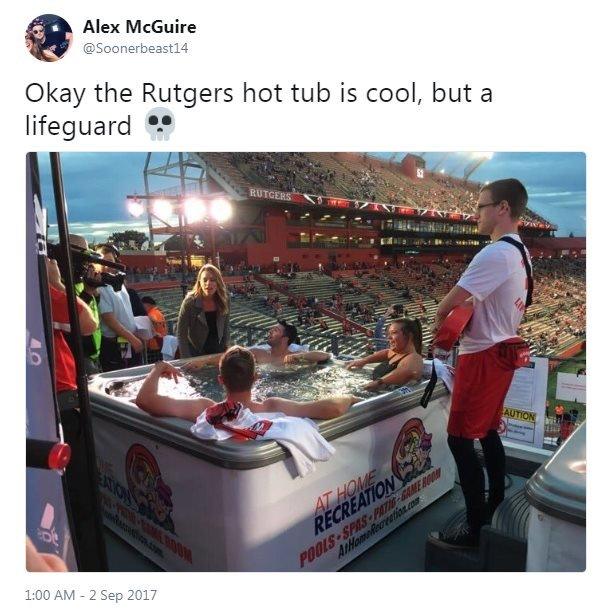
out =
column 195, row 505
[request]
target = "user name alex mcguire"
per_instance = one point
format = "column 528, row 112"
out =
column 137, row 26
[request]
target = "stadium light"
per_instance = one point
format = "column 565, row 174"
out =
column 162, row 209
column 220, row 210
column 195, row 210
column 135, row 208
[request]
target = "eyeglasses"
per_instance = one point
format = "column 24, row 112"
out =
column 489, row 204
column 38, row 31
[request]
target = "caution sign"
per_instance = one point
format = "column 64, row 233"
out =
column 519, row 425
column 524, row 408
column 520, row 415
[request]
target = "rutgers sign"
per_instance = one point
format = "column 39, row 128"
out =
column 300, row 198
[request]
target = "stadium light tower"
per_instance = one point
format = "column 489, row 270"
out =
column 190, row 210
column 135, row 208
column 195, row 210
column 220, row 210
column 478, row 159
column 162, row 209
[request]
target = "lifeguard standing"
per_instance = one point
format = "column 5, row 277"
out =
column 499, row 282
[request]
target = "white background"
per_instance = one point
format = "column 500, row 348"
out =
column 544, row 61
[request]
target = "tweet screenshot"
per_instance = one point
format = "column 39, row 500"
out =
column 306, row 291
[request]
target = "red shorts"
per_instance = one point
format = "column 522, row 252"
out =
column 481, row 383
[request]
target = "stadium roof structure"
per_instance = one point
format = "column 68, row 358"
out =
column 348, row 181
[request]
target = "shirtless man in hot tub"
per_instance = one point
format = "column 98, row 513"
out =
column 279, row 339
column 237, row 374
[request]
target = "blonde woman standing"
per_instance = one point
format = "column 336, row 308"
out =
column 203, row 320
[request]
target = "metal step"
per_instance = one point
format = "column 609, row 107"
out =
column 502, row 546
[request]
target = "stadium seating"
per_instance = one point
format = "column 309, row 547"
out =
column 358, row 177
column 555, row 320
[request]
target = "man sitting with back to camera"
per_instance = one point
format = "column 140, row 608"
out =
column 280, row 338
column 237, row 375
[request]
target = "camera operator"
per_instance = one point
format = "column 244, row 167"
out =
column 120, row 346
column 88, row 281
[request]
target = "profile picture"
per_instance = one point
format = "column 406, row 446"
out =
column 48, row 38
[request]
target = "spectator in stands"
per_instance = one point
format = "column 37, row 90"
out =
column 120, row 347
column 160, row 328
column 203, row 320
column 309, row 318
column 559, row 412
column 393, row 313
column 237, row 369
column 282, row 348
column 402, row 362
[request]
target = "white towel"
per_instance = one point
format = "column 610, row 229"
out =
column 299, row 435
column 168, row 350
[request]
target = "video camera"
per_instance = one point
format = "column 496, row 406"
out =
column 81, row 261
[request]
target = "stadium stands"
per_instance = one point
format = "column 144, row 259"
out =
column 353, row 176
column 320, row 304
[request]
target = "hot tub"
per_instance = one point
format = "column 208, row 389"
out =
column 195, row 505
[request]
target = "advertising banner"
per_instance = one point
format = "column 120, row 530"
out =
column 187, row 514
column 524, row 413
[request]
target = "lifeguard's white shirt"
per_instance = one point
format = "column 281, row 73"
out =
column 299, row 435
column 496, row 277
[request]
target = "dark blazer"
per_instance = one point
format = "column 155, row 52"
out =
column 192, row 328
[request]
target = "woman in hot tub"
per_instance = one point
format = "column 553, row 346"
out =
column 402, row 362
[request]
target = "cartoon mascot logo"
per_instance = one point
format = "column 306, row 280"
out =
column 411, row 454
column 152, row 495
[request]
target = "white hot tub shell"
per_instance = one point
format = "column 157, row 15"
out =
column 194, row 505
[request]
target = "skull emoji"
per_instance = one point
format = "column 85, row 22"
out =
column 160, row 123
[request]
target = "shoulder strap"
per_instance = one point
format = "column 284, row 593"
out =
column 520, row 246
column 401, row 357
column 430, row 387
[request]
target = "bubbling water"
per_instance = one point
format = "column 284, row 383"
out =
column 298, row 383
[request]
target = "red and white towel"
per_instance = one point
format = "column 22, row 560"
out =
column 299, row 435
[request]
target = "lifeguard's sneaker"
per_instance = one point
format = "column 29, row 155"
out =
column 460, row 538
